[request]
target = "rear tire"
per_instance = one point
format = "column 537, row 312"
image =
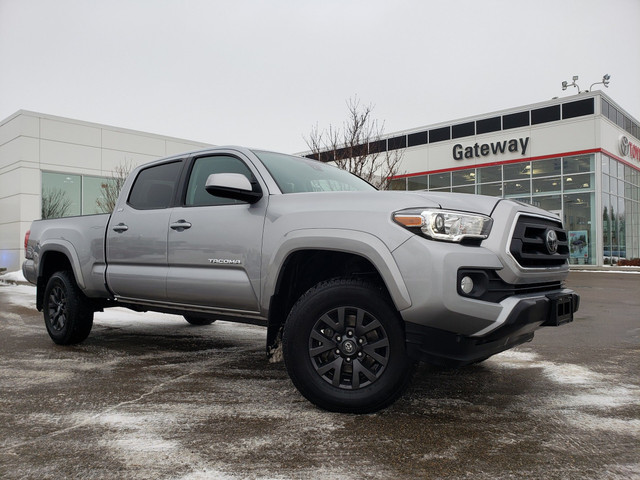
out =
column 198, row 321
column 68, row 315
column 344, row 347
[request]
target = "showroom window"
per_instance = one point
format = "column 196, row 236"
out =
column 620, row 211
column 417, row 183
column 66, row 195
column 61, row 195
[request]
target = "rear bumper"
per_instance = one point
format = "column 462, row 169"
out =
column 29, row 271
column 441, row 347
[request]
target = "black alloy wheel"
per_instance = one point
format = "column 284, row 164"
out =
column 349, row 348
column 68, row 314
column 57, row 306
column 344, row 347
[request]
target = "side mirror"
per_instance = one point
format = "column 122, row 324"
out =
column 233, row 185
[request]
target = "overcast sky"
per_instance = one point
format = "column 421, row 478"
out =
column 262, row 73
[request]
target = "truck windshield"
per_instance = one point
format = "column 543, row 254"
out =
column 296, row 175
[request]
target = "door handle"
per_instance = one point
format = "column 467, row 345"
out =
column 180, row 225
column 121, row 227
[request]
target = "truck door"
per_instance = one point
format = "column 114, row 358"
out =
column 137, row 235
column 214, row 244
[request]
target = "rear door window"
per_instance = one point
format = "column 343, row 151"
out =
column 154, row 187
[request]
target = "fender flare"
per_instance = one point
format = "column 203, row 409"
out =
column 66, row 248
column 341, row 240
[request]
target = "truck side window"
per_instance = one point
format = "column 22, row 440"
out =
column 154, row 186
column 197, row 196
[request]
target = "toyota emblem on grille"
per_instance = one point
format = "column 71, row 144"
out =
column 551, row 241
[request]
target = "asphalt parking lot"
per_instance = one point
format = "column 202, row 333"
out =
column 148, row 396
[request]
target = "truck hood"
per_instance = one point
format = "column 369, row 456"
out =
column 388, row 201
column 369, row 212
column 462, row 202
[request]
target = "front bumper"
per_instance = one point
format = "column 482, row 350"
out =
column 527, row 314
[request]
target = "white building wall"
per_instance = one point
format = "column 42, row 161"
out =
column 32, row 142
column 548, row 139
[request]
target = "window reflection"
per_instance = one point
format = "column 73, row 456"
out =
column 417, row 183
column 61, row 195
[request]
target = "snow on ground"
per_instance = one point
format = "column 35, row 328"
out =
column 583, row 389
column 23, row 295
column 13, row 277
column 582, row 401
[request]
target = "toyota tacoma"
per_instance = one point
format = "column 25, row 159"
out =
column 354, row 285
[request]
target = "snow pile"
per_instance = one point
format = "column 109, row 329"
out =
column 13, row 277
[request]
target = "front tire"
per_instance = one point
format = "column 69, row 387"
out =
column 68, row 315
column 344, row 347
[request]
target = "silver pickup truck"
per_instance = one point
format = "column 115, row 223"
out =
column 353, row 284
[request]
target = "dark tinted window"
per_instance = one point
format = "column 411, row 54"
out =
column 488, row 125
column 327, row 156
column 154, row 186
column 515, row 120
column 397, row 142
column 439, row 134
column 203, row 167
column 463, row 130
column 419, row 138
column 605, row 108
column 578, row 109
column 612, row 114
column 546, row 114
column 377, row 147
column 350, row 152
column 342, row 153
column 359, row 150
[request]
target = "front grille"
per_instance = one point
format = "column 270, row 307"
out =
column 529, row 245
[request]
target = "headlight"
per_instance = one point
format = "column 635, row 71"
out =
column 445, row 225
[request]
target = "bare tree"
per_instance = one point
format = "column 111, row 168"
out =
column 356, row 146
column 55, row 203
column 110, row 187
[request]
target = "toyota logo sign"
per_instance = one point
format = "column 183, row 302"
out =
column 624, row 146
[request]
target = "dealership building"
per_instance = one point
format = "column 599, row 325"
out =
column 63, row 163
column 577, row 157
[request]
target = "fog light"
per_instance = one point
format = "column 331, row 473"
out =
column 466, row 285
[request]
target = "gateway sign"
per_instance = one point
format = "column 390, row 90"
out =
column 494, row 148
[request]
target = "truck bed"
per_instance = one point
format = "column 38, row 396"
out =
column 81, row 239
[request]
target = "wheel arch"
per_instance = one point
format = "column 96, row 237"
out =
column 55, row 257
column 311, row 256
